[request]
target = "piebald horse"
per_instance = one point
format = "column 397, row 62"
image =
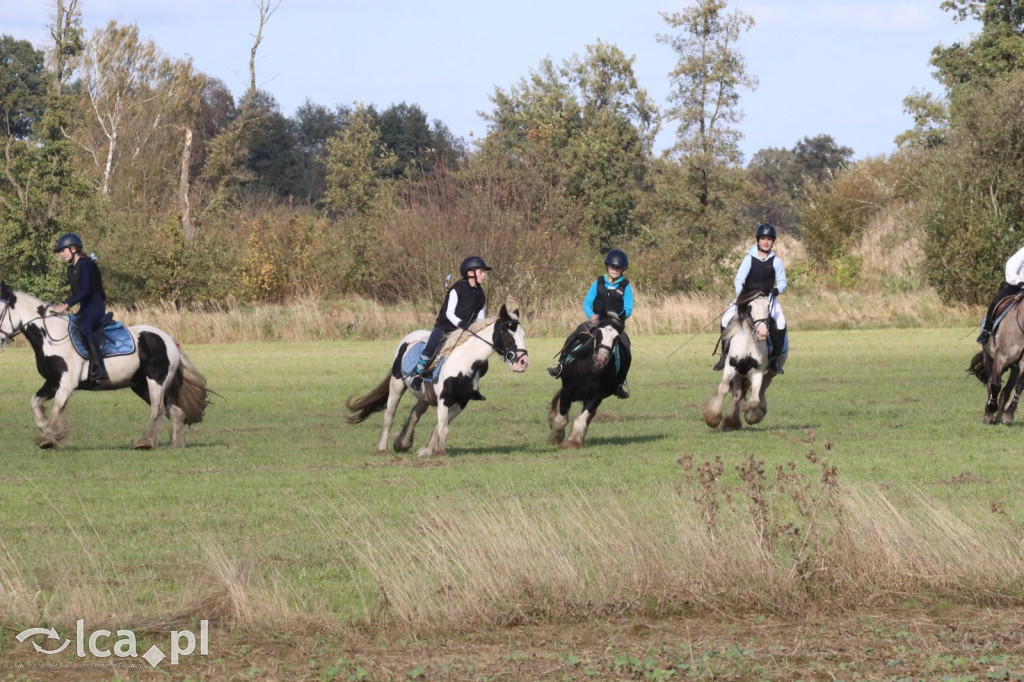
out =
column 746, row 372
column 457, row 383
column 157, row 370
column 588, row 378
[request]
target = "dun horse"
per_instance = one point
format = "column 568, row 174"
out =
column 746, row 372
column 456, row 381
column 591, row 375
column 1004, row 352
column 149, row 362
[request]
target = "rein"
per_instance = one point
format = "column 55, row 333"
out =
column 6, row 314
column 509, row 355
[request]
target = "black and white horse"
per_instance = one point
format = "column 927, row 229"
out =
column 746, row 372
column 157, row 370
column 464, row 355
column 591, row 375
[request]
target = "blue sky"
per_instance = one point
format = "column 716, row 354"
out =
column 834, row 67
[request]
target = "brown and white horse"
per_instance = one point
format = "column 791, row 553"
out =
column 457, row 383
column 746, row 372
column 157, row 370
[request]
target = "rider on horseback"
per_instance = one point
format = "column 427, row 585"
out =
column 1013, row 285
column 464, row 303
column 86, row 290
column 763, row 271
column 610, row 294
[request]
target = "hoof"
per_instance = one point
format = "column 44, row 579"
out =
column 380, row 452
column 570, row 445
column 46, row 442
column 988, row 419
column 142, row 444
column 555, row 438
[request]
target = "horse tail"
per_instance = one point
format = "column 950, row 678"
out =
column 188, row 391
column 978, row 367
column 374, row 401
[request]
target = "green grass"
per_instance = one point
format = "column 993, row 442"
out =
column 273, row 484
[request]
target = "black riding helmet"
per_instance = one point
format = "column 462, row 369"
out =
column 472, row 263
column 68, row 239
column 765, row 230
column 617, row 258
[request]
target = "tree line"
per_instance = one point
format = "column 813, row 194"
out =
column 188, row 194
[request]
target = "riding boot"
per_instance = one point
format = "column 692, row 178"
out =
column 97, row 369
column 778, row 339
column 720, row 365
column 986, row 332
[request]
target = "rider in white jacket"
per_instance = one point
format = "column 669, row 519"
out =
column 1013, row 285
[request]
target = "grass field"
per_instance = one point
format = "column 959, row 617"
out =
column 315, row 559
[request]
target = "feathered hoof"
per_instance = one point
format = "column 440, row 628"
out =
column 142, row 444
column 46, row 442
column 555, row 438
column 988, row 419
column 570, row 445
column 380, row 452
column 1006, row 419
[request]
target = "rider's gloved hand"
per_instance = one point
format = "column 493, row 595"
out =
column 775, row 292
column 464, row 324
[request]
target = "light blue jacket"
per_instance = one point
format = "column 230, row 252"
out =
column 627, row 296
column 741, row 274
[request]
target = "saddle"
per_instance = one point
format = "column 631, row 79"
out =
column 1004, row 306
column 116, row 338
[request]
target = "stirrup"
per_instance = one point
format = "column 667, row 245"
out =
column 555, row 370
column 720, row 365
column 622, row 392
column 416, row 383
column 984, row 336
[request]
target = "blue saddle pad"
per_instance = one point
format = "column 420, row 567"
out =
column 412, row 358
column 117, row 340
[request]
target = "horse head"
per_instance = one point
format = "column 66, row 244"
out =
column 756, row 305
column 8, row 327
column 606, row 336
column 509, row 340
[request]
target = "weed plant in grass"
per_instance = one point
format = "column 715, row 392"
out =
column 276, row 513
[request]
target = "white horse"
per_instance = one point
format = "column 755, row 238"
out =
column 457, row 383
column 746, row 372
column 156, row 369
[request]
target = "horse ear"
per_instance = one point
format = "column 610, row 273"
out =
column 503, row 313
column 515, row 313
column 5, row 293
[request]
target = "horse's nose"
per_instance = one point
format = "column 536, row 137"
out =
column 521, row 364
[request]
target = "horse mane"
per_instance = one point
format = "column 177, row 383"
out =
column 455, row 339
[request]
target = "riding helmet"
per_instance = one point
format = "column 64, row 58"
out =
column 617, row 258
column 765, row 230
column 472, row 263
column 68, row 239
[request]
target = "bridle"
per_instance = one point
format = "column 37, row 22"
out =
column 599, row 346
column 20, row 329
column 509, row 355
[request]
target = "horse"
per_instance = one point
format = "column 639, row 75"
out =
column 591, row 375
column 1004, row 352
column 746, row 372
column 462, row 363
column 149, row 362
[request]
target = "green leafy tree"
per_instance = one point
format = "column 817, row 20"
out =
column 707, row 80
column 415, row 143
column 23, row 86
column 586, row 126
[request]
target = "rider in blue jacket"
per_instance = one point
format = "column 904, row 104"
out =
column 609, row 293
column 87, row 291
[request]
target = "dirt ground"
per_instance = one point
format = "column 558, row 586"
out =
column 942, row 644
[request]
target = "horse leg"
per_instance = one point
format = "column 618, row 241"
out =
column 994, row 384
column 558, row 417
column 155, row 393
column 55, row 427
column 177, row 419
column 712, row 407
column 731, row 422
column 753, row 412
column 436, row 444
column 1015, row 383
column 578, row 433
column 39, row 400
column 403, row 441
column 396, row 389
